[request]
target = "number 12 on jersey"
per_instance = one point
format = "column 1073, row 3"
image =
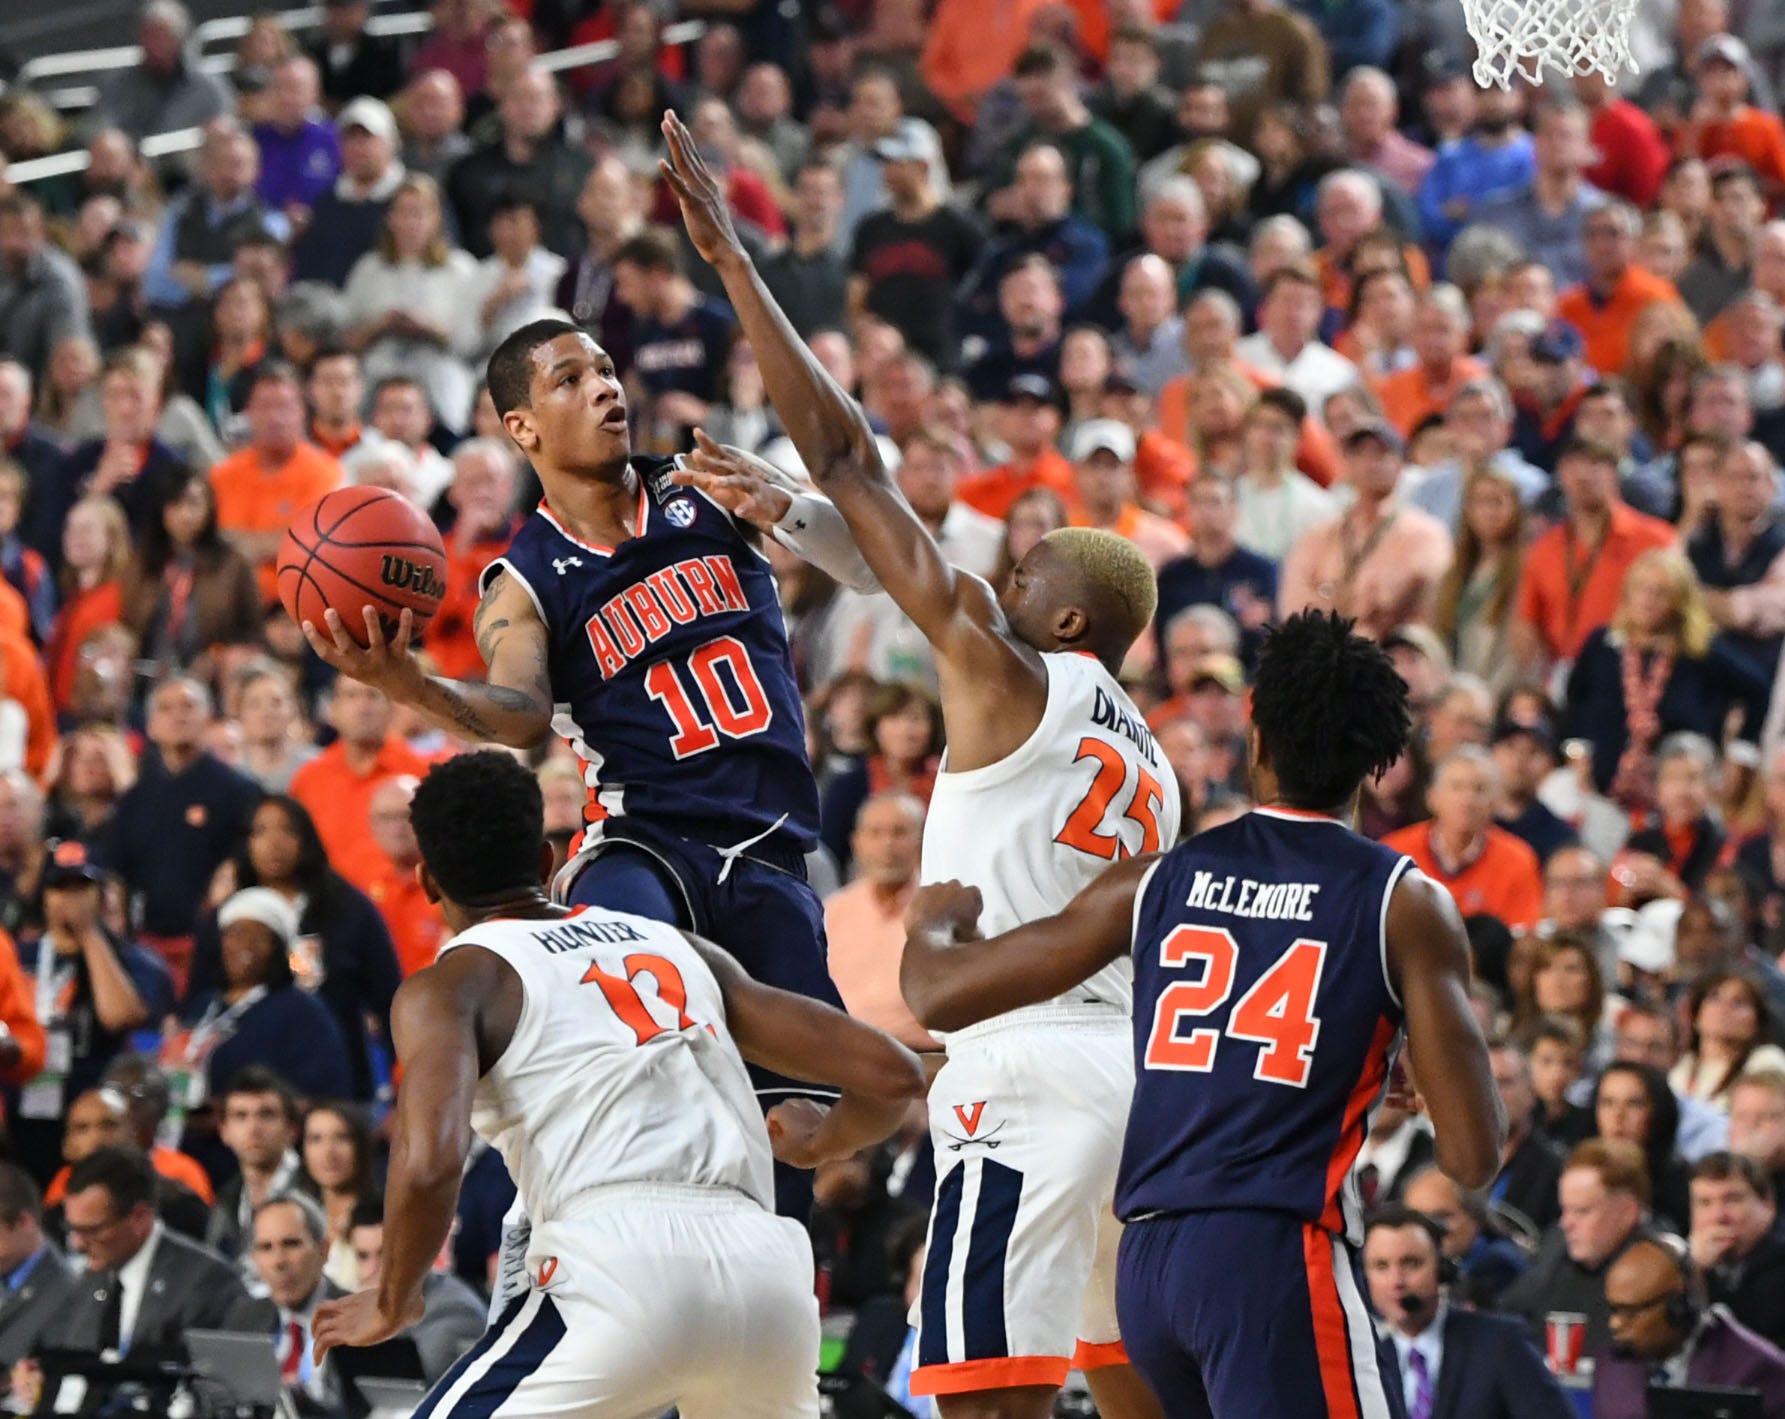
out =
column 1277, row 1013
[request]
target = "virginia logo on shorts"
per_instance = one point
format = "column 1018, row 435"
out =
column 970, row 1116
column 547, row 1269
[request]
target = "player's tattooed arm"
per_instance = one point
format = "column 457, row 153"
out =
column 951, row 978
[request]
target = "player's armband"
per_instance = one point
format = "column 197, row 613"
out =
column 814, row 529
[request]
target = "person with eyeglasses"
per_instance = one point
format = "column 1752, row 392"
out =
column 1666, row 1334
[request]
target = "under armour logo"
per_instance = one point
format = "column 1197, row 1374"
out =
column 559, row 564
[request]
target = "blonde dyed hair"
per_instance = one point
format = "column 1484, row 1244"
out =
column 1113, row 565
column 1691, row 626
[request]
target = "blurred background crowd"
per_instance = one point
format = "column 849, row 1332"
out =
column 1272, row 288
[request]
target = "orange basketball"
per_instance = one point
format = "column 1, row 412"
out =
column 361, row 547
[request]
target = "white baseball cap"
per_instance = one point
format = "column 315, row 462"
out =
column 1106, row 435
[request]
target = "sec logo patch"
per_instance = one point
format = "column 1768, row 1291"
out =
column 679, row 511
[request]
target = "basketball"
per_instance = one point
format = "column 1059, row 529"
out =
column 361, row 547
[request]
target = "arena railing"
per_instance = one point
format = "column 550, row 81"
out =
column 160, row 145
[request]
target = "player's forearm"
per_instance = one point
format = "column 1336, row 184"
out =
column 950, row 986
column 421, row 1196
column 491, row 714
column 826, row 425
column 858, row 1121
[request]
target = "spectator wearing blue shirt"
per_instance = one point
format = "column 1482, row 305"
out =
column 300, row 155
column 202, row 227
column 1043, row 224
column 1493, row 161
column 1546, row 217
column 1217, row 571
column 1357, row 32
column 1025, row 339
column 681, row 339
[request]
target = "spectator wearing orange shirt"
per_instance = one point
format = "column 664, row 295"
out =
column 23, row 1044
column 96, row 560
column 1440, row 340
column 30, row 736
column 1724, row 124
column 865, row 921
column 260, row 489
column 482, row 495
column 1347, row 209
column 1605, row 307
column 1486, row 869
column 416, row 926
column 1574, row 573
column 337, row 394
column 1029, row 419
column 972, row 45
column 336, row 787
column 1103, row 465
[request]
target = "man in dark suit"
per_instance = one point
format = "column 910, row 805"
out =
column 1665, row 1332
column 290, row 1245
column 260, row 1127
column 1735, row 1241
column 143, row 1286
column 35, row 1282
column 1453, row 1363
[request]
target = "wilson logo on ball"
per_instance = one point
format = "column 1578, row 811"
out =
column 401, row 574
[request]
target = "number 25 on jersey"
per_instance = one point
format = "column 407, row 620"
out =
column 1084, row 830
column 1277, row 1013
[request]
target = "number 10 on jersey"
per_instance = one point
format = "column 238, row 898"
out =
column 735, row 704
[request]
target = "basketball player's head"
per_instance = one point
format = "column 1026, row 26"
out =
column 480, row 822
column 559, row 396
column 1079, row 588
column 1328, row 711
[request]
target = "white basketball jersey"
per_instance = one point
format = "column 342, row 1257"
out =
column 1088, row 788
column 621, row 1069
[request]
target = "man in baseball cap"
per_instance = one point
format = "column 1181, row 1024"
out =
column 1103, row 463
column 1524, row 753
column 1028, row 418
column 349, row 217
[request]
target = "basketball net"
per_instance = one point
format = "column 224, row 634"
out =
column 1521, row 39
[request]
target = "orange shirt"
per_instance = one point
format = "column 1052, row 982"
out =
column 1751, row 134
column 973, row 44
column 18, row 1012
column 78, row 619
column 415, row 925
column 252, row 497
column 1504, row 879
column 1162, row 469
column 1567, row 593
column 867, row 940
column 15, row 615
column 169, row 1162
column 22, row 680
column 1335, row 280
column 1158, row 538
column 1409, row 397
column 448, row 637
column 1317, row 454
column 993, row 491
column 340, row 800
column 1606, row 324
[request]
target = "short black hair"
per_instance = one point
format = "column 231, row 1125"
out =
column 1590, row 449
column 480, row 823
column 653, row 249
column 367, row 1212
column 514, row 199
column 258, row 1079
column 1329, row 707
column 19, row 1196
column 125, row 1173
column 1041, row 59
column 275, row 372
column 1396, row 1215
column 1721, row 1166
column 1286, row 402
column 509, row 375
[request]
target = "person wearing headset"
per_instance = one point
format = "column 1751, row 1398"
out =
column 1665, row 1333
column 1453, row 1363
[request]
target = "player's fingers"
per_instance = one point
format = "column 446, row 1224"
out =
column 374, row 630
column 405, row 628
column 338, row 631
column 674, row 179
column 314, row 636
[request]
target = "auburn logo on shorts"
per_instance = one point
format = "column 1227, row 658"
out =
column 547, row 1269
column 401, row 573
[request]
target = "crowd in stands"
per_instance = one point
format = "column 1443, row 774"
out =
column 1269, row 286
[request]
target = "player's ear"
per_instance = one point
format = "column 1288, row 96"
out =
column 519, row 423
column 425, row 879
column 1070, row 625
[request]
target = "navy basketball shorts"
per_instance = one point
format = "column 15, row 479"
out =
column 1249, row 1315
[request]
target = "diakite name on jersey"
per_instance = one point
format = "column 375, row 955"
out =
column 1241, row 896
column 648, row 610
column 1107, row 714
column 576, row 935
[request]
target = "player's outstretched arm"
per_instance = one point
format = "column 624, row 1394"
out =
column 807, row 1039
column 513, row 706
column 448, row 1022
column 951, row 979
column 827, row 427
column 1428, row 958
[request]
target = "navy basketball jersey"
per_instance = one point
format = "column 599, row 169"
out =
column 670, row 668
column 1265, row 1025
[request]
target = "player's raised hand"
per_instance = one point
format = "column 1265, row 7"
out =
column 703, row 201
column 385, row 663
column 739, row 482
column 793, row 1132
column 945, row 912
column 357, row 1320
